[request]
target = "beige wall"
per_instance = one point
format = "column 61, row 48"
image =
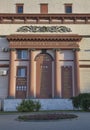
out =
column 85, row 80
column 4, row 44
column 84, row 53
column 81, row 29
column 4, row 84
column 4, row 60
column 84, row 59
column 54, row 6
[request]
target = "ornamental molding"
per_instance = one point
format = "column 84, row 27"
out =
column 60, row 29
column 44, row 37
column 44, row 41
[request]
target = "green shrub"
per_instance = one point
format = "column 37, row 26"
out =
column 82, row 101
column 75, row 101
column 37, row 105
column 85, row 104
column 29, row 106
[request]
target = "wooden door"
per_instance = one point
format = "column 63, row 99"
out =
column 21, row 87
column 21, row 94
column 66, row 81
column 43, row 76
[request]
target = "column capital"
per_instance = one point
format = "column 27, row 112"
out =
column 31, row 49
column 76, row 49
column 12, row 49
column 56, row 49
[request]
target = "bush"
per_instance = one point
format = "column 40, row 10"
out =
column 29, row 106
column 82, row 101
column 37, row 105
column 75, row 101
column 85, row 104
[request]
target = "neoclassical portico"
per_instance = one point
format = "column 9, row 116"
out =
column 39, row 67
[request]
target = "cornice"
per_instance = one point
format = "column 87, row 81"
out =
column 43, row 37
column 45, row 18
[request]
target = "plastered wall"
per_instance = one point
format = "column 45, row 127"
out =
column 54, row 6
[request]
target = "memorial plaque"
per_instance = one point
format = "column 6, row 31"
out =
column 21, row 81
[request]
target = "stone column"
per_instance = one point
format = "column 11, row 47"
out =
column 76, row 73
column 57, row 74
column 31, row 73
column 12, row 89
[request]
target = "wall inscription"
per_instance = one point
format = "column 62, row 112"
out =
column 51, row 29
column 21, row 81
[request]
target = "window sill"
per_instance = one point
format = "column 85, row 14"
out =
column 21, row 77
column 22, row 60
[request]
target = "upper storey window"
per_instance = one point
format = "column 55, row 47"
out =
column 68, row 8
column 19, row 8
column 22, row 54
column 44, row 8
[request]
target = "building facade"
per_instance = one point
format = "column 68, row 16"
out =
column 44, row 48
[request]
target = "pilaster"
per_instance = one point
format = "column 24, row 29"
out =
column 57, row 74
column 76, row 73
column 31, row 77
column 12, row 75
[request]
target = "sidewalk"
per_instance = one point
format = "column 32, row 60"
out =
column 9, row 122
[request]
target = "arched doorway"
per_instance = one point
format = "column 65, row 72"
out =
column 44, row 76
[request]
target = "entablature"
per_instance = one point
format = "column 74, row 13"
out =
column 44, row 41
column 44, row 18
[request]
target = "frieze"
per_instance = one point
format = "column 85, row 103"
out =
column 43, row 45
column 51, row 29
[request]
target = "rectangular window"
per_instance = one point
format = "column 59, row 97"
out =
column 22, row 54
column 19, row 8
column 44, row 8
column 68, row 8
column 21, row 71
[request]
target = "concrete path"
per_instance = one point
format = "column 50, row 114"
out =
column 9, row 122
